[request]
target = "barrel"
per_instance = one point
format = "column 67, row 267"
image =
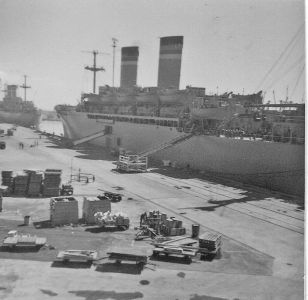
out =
column 26, row 220
column 195, row 228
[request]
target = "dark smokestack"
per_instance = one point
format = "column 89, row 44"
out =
column 129, row 62
column 170, row 58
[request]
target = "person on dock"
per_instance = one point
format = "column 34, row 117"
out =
column 143, row 218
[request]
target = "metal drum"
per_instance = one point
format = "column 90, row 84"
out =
column 195, row 229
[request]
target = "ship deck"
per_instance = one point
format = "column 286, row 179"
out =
column 262, row 233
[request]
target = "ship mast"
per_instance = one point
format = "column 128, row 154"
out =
column 93, row 68
column 274, row 97
column 25, row 87
column 114, row 45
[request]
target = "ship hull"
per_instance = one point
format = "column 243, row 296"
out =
column 277, row 166
column 22, row 119
column 131, row 136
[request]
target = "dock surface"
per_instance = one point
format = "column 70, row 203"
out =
column 262, row 233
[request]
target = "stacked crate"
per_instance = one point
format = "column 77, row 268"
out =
column 174, row 227
column 92, row 205
column 52, row 181
column 7, row 178
column 63, row 210
column 155, row 219
column 167, row 226
column 21, row 184
column 34, row 184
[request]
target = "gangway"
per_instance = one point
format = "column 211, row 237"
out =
column 168, row 144
column 89, row 137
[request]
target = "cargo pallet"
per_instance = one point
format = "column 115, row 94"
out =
column 14, row 240
column 118, row 257
column 87, row 256
column 187, row 254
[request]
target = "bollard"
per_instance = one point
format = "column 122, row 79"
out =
column 195, row 228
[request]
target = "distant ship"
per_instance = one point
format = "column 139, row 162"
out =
column 228, row 135
column 15, row 110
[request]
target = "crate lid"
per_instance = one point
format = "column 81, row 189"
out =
column 209, row 236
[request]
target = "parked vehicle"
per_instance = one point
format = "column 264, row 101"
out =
column 2, row 145
column 110, row 220
column 114, row 197
column 66, row 190
column 9, row 132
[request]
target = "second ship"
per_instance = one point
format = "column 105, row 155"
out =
column 18, row 111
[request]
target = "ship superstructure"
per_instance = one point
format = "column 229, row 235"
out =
column 15, row 110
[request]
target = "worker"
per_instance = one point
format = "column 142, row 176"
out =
column 1, row 201
column 143, row 218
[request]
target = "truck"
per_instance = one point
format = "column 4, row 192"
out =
column 111, row 220
column 14, row 239
column 114, row 197
column 87, row 256
column 66, row 190
column 9, row 132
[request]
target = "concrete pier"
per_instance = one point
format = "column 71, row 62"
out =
column 263, row 233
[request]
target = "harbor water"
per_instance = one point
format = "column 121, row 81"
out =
column 54, row 127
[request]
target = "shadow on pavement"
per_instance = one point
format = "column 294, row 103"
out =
column 126, row 268
column 71, row 265
column 249, row 193
column 20, row 249
column 171, row 259
column 102, row 229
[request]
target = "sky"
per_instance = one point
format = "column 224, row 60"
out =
column 229, row 45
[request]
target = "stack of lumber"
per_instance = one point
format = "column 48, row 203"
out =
column 52, row 182
column 92, row 205
column 21, row 184
column 7, row 178
column 210, row 241
column 63, row 210
column 34, row 184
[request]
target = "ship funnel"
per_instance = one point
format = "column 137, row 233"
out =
column 170, row 58
column 129, row 62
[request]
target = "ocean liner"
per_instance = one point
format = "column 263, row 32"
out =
column 14, row 110
column 229, row 135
